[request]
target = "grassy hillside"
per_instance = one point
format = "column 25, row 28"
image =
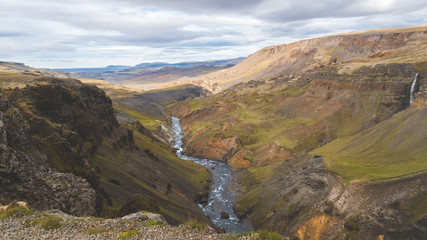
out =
column 394, row 148
column 303, row 115
column 74, row 125
column 152, row 169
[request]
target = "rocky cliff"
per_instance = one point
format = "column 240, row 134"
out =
column 320, row 124
column 26, row 175
column 63, row 148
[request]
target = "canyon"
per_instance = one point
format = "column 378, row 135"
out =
column 325, row 138
column 322, row 135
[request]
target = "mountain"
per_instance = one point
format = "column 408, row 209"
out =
column 13, row 67
column 322, row 135
column 148, row 76
column 63, row 148
column 353, row 49
column 159, row 65
column 325, row 137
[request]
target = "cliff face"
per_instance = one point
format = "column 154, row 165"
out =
column 63, row 148
column 26, row 175
column 353, row 50
column 67, row 120
column 315, row 124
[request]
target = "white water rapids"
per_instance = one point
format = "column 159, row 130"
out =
column 220, row 199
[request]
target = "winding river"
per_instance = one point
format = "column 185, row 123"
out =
column 220, row 199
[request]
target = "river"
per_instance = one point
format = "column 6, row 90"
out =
column 220, row 199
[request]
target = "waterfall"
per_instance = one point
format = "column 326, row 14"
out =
column 411, row 96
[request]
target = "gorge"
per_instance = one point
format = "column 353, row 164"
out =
column 220, row 200
column 322, row 138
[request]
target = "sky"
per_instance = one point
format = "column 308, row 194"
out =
column 97, row 33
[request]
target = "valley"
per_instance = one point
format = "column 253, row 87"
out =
column 149, row 76
column 324, row 138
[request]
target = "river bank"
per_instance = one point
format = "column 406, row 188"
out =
column 220, row 204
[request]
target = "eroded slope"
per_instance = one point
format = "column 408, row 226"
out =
column 348, row 93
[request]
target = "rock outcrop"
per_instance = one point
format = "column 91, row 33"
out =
column 26, row 175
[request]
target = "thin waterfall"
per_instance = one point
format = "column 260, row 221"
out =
column 411, row 96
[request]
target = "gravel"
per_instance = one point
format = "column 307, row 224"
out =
column 21, row 228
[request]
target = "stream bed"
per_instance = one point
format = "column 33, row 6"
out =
column 220, row 199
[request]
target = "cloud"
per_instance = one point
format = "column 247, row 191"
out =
column 50, row 33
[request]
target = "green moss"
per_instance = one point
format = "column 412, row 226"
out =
column 417, row 207
column 128, row 234
column 392, row 149
column 196, row 104
column 254, row 191
column 48, row 222
column 152, row 222
column 290, row 210
column 148, row 121
column 194, row 224
column 94, row 231
column 16, row 211
column 296, row 91
column 111, row 168
column 178, row 87
column 266, row 235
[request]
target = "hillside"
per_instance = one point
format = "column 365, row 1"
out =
column 63, row 148
column 347, row 51
column 322, row 135
column 325, row 137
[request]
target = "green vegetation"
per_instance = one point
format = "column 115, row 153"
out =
column 152, row 222
column 48, row 222
column 194, row 224
column 290, row 209
column 199, row 103
column 257, row 119
column 114, row 164
column 146, row 120
column 253, row 189
column 416, row 208
column 394, row 148
column 256, row 235
column 16, row 211
column 266, row 235
column 178, row 87
column 128, row 234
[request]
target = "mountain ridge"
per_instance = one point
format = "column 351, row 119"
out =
column 327, row 50
column 316, row 127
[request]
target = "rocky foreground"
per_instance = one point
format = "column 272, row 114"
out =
column 26, row 224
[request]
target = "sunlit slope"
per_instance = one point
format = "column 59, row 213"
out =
column 355, row 49
column 393, row 148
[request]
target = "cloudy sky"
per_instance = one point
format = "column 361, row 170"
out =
column 92, row 33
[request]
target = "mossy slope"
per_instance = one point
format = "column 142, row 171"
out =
column 394, row 148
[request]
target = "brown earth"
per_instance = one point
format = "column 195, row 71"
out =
column 285, row 101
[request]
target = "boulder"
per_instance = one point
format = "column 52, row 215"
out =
column 225, row 215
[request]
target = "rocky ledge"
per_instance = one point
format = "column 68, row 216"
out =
column 54, row 224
